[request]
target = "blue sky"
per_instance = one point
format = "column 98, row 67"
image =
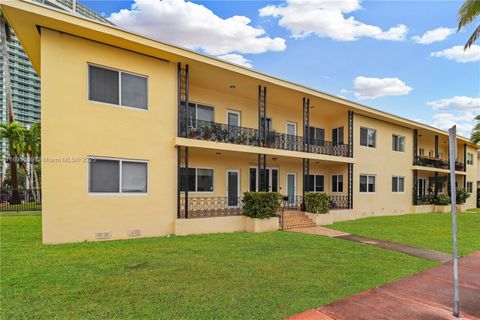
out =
column 345, row 48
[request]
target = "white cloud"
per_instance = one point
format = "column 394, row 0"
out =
column 457, row 103
column 457, row 54
column 195, row 27
column 326, row 18
column 237, row 59
column 463, row 121
column 371, row 88
column 434, row 35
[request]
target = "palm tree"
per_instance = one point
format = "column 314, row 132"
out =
column 32, row 152
column 466, row 14
column 14, row 134
column 475, row 137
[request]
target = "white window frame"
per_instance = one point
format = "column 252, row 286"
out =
column 425, row 188
column 398, row 143
column 331, row 182
column 315, row 175
column 120, row 192
column 368, row 179
column 338, row 142
column 469, row 162
column 471, row 186
column 398, row 184
column 269, row 177
column 294, row 183
column 196, row 179
column 286, row 128
column 237, row 171
column 120, row 71
column 204, row 105
column 228, row 112
column 368, row 130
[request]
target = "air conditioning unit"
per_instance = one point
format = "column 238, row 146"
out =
column 103, row 235
column 133, row 232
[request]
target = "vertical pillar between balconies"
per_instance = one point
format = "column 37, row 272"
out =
column 436, row 147
column 350, row 186
column 415, row 145
column 415, row 187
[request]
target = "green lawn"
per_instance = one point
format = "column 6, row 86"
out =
column 246, row 276
column 429, row 230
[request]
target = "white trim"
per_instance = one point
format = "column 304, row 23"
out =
column 294, row 183
column 237, row 171
column 368, row 175
column 269, row 177
column 404, row 142
column 119, row 71
column 424, row 186
column 398, row 184
column 238, row 114
column 120, row 167
column 331, row 183
column 196, row 179
column 294, row 125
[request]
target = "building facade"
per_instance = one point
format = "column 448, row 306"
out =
column 162, row 140
column 25, row 82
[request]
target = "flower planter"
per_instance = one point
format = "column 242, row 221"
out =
column 262, row 225
column 442, row 208
column 461, row 207
column 320, row 219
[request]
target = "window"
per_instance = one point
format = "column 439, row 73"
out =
column 199, row 180
column 337, row 136
column 199, row 112
column 469, row 186
column 398, row 143
column 117, row 87
column 117, row 176
column 337, row 183
column 367, row 183
column 469, row 158
column 368, row 137
column 316, row 183
column 268, row 124
column 317, row 136
column 398, row 184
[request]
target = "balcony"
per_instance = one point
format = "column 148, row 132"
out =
column 219, row 132
column 203, row 207
column 425, row 161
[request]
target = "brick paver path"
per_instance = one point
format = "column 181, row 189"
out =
column 426, row 295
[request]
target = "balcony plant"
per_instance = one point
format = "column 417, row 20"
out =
column 272, row 136
column 207, row 131
column 462, row 195
column 317, row 202
column 193, row 132
column 442, row 199
column 261, row 205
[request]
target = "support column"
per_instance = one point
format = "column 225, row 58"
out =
column 436, row 146
column 415, row 145
column 350, row 133
column 465, row 157
column 306, row 125
column 179, row 174
column 262, row 116
column 186, row 183
column 350, row 185
column 182, row 100
column 415, row 187
column 306, row 175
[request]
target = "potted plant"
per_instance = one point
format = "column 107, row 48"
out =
column 271, row 138
column 261, row 209
column 462, row 196
column 207, row 132
column 441, row 203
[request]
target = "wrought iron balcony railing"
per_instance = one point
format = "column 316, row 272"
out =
column 219, row 132
column 424, row 199
column 436, row 163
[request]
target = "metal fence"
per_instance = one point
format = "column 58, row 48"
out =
column 20, row 200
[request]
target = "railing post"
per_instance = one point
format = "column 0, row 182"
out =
column 350, row 186
column 179, row 174
column 186, row 183
column 415, row 187
column 350, row 134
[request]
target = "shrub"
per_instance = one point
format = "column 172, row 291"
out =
column 261, row 205
column 442, row 199
column 462, row 195
column 317, row 202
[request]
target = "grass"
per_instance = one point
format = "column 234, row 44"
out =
column 429, row 230
column 223, row 276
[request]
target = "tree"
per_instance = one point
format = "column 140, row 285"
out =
column 14, row 134
column 32, row 148
column 475, row 137
column 466, row 14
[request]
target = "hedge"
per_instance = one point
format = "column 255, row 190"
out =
column 317, row 202
column 261, row 205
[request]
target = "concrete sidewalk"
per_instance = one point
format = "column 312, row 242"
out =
column 425, row 295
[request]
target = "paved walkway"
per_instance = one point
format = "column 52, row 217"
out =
column 425, row 295
column 413, row 251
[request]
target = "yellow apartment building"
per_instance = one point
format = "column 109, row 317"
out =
column 142, row 138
